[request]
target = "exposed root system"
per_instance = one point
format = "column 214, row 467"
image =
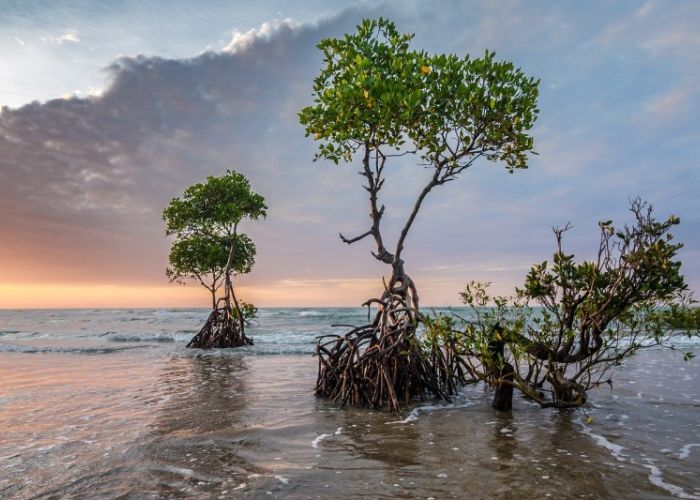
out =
column 222, row 329
column 383, row 364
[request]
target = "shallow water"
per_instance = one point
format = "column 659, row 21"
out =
column 108, row 403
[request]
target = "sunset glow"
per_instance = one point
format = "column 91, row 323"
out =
column 128, row 119
column 349, row 249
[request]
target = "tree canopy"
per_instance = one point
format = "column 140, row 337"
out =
column 377, row 96
column 373, row 91
column 214, row 207
column 203, row 257
column 208, row 246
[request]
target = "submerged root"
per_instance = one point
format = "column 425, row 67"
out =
column 222, row 329
column 382, row 364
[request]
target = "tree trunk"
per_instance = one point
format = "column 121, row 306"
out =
column 567, row 393
column 503, row 396
column 234, row 306
column 221, row 330
column 383, row 363
column 225, row 326
column 502, row 373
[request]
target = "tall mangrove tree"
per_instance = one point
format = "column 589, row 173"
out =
column 376, row 99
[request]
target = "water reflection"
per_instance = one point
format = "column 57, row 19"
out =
column 372, row 437
column 176, row 423
column 503, row 441
column 199, row 430
column 205, row 393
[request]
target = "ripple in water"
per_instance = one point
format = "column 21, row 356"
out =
column 96, row 406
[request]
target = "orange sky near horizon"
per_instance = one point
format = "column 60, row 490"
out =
column 281, row 293
column 286, row 293
column 49, row 296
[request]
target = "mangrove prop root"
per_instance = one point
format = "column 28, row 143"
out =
column 222, row 329
column 382, row 364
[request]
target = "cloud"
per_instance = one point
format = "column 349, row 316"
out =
column 671, row 105
column 242, row 41
column 69, row 36
column 84, row 179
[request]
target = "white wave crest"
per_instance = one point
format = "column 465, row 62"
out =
column 318, row 439
column 656, row 478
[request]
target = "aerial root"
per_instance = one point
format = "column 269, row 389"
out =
column 222, row 329
column 382, row 364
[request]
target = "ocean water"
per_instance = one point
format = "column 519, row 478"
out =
column 110, row 403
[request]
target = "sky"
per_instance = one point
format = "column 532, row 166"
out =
column 110, row 109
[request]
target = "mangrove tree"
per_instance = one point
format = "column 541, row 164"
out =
column 209, row 248
column 375, row 100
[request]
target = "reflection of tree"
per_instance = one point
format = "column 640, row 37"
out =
column 207, row 393
column 369, row 437
column 504, row 444
column 563, row 430
column 200, row 430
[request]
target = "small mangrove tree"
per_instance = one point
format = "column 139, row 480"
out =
column 210, row 249
column 572, row 322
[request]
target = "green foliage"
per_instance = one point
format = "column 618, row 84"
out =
column 248, row 311
column 635, row 265
column 198, row 255
column 205, row 223
column 364, row 92
column 681, row 318
column 573, row 321
column 439, row 330
column 373, row 91
column 214, row 207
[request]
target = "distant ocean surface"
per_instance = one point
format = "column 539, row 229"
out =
column 109, row 402
column 276, row 331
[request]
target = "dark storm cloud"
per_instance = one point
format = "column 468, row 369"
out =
column 77, row 154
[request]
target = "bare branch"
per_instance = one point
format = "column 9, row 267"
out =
column 356, row 238
column 434, row 181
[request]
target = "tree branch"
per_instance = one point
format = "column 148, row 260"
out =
column 434, row 181
column 374, row 184
column 356, row 238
